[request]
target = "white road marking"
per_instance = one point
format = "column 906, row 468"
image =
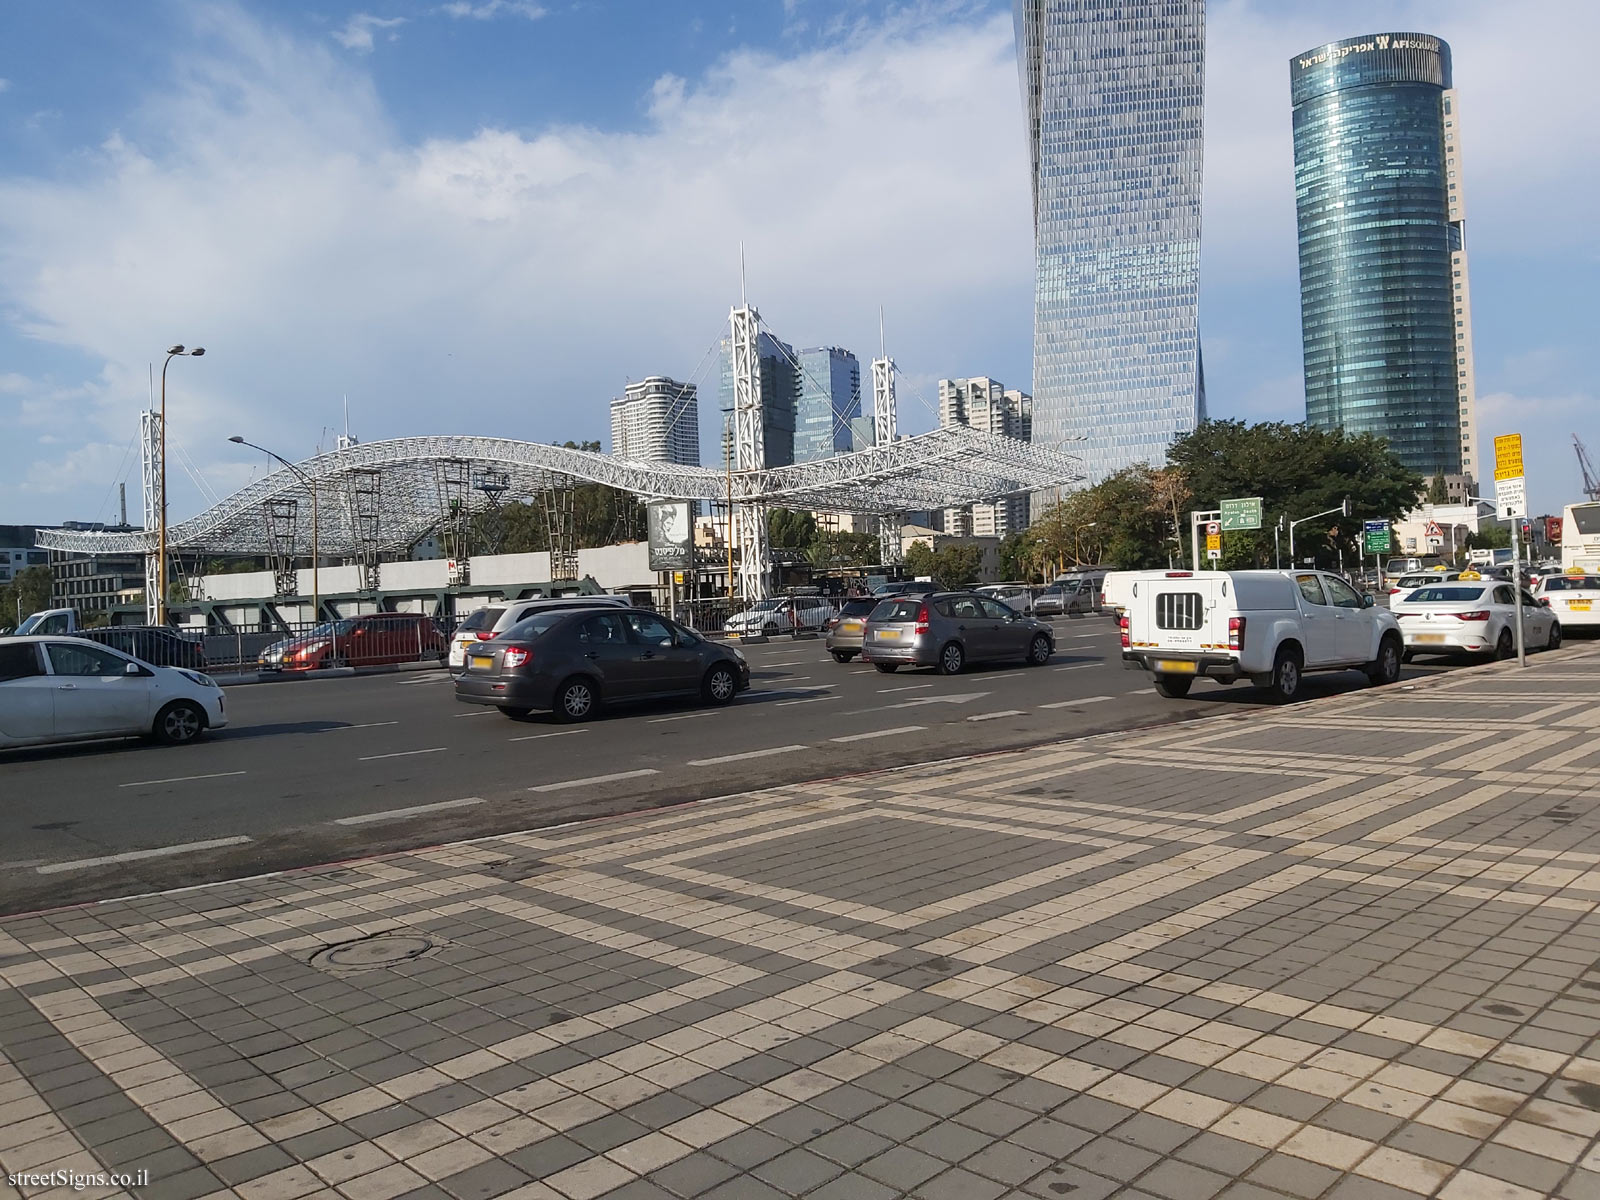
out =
column 1076, row 703
column 1078, row 666
column 394, row 814
column 727, row 758
column 995, row 716
column 482, row 712
column 534, row 737
column 1084, row 635
column 369, row 725
column 811, row 700
column 572, row 783
column 957, row 698
column 402, row 754
column 878, row 733
column 180, row 779
column 82, row 864
column 679, row 717
column 910, row 687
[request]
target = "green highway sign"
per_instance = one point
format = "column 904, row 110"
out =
column 1377, row 541
column 1242, row 514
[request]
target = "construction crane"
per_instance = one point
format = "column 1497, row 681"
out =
column 1591, row 485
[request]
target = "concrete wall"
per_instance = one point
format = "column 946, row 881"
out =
column 496, row 569
column 246, row 585
column 329, row 580
column 403, row 576
column 615, row 566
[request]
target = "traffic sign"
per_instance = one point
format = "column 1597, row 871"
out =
column 1377, row 540
column 1435, row 542
column 1243, row 513
column 1508, row 457
column 1213, row 528
column 1512, row 496
column 1433, row 530
column 1214, row 553
column 1374, row 526
column 1214, row 543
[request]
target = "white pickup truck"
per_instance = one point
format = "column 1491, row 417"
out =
column 1270, row 627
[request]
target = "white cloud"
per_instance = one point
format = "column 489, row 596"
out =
column 358, row 31
column 488, row 10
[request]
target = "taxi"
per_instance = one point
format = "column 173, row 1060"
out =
column 1574, row 597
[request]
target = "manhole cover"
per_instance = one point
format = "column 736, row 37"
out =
column 374, row 952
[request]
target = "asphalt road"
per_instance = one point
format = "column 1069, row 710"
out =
column 316, row 771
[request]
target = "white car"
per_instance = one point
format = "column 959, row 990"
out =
column 1016, row 596
column 1573, row 597
column 781, row 614
column 66, row 689
column 1472, row 616
column 489, row 622
column 1406, row 584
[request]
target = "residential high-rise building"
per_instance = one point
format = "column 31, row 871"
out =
column 829, row 400
column 657, row 420
column 987, row 405
column 1114, row 96
column 780, row 393
column 1385, row 313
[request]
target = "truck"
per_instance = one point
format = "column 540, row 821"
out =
column 1268, row 627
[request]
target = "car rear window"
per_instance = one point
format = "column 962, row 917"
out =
column 1444, row 595
column 1570, row 583
column 897, row 610
column 857, row 608
column 483, row 618
column 536, row 625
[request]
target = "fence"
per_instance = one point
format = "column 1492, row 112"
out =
column 354, row 642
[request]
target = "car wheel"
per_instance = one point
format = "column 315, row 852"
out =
column 721, row 685
column 1039, row 651
column 1174, row 687
column 1286, row 675
column 887, row 668
column 843, row 655
column 1386, row 667
column 178, row 723
column 576, row 699
column 1555, row 636
column 1505, row 647
column 951, row 659
column 513, row 711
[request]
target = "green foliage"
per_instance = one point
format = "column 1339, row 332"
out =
column 1438, row 493
column 1124, row 521
column 28, row 592
column 952, row 566
column 790, row 530
column 601, row 516
column 828, row 551
column 1491, row 535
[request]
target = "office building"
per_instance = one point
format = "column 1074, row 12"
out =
column 657, row 420
column 829, row 400
column 987, row 405
column 780, row 394
column 1385, row 311
column 17, row 552
column 1114, row 99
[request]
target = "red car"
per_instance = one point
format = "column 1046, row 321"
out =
column 369, row 641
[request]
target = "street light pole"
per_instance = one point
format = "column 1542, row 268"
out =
column 161, row 546
column 316, row 526
column 1342, row 510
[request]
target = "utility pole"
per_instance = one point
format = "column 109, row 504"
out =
column 161, row 546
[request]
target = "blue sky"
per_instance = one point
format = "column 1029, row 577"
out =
column 484, row 216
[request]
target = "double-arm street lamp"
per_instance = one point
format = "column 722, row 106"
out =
column 316, row 555
column 161, row 548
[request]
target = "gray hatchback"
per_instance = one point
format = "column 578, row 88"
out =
column 947, row 630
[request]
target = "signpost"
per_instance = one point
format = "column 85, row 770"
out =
column 1242, row 514
column 1214, row 539
column 1511, row 496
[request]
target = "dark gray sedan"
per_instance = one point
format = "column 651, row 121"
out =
column 570, row 662
column 947, row 630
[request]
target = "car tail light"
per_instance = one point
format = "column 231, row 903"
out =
column 1481, row 614
column 515, row 656
column 922, row 620
column 484, row 635
column 1122, row 624
column 1180, row 574
column 1235, row 633
column 1544, row 601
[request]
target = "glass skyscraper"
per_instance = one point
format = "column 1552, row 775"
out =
column 830, row 399
column 1114, row 95
column 1384, row 309
column 780, row 393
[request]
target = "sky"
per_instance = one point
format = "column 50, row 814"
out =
column 486, row 216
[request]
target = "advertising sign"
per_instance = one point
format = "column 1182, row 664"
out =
column 1552, row 530
column 671, row 535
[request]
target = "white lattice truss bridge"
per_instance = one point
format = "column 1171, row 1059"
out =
column 418, row 478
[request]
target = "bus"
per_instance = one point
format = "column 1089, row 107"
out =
column 1580, row 537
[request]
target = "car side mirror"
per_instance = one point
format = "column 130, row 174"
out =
column 1367, row 601
column 132, row 669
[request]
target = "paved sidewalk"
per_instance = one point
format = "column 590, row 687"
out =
column 1347, row 949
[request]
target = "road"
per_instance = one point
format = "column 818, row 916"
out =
column 316, row 771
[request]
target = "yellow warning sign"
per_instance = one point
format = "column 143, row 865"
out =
column 1508, row 456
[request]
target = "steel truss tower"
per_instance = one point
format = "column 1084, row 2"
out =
column 884, row 417
column 749, row 453
column 150, row 459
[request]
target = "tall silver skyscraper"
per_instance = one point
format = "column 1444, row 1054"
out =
column 1114, row 96
column 657, row 420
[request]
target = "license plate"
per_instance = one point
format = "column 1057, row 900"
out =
column 850, row 627
column 480, row 661
column 1431, row 638
column 1174, row 666
column 888, row 635
column 1579, row 605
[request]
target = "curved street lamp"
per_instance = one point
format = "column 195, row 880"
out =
column 316, row 549
column 161, row 549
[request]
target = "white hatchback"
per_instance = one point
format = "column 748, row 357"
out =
column 1469, row 616
column 489, row 622
column 1574, row 598
column 65, row 689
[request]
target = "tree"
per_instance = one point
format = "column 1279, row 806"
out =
column 789, row 529
column 1491, row 535
column 28, row 592
column 1438, row 493
column 950, row 566
column 831, row 549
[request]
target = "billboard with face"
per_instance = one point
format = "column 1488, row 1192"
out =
column 671, row 535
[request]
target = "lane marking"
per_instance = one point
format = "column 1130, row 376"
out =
column 180, row 779
column 573, row 783
column 679, row 717
column 369, row 725
column 397, row 813
column 1075, row 703
column 402, row 754
column 878, row 733
column 910, row 687
column 1078, row 666
column 534, row 737
column 727, row 758
column 81, row 864
column 812, row 700
column 1084, row 635
column 995, row 716
column 482, row 712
